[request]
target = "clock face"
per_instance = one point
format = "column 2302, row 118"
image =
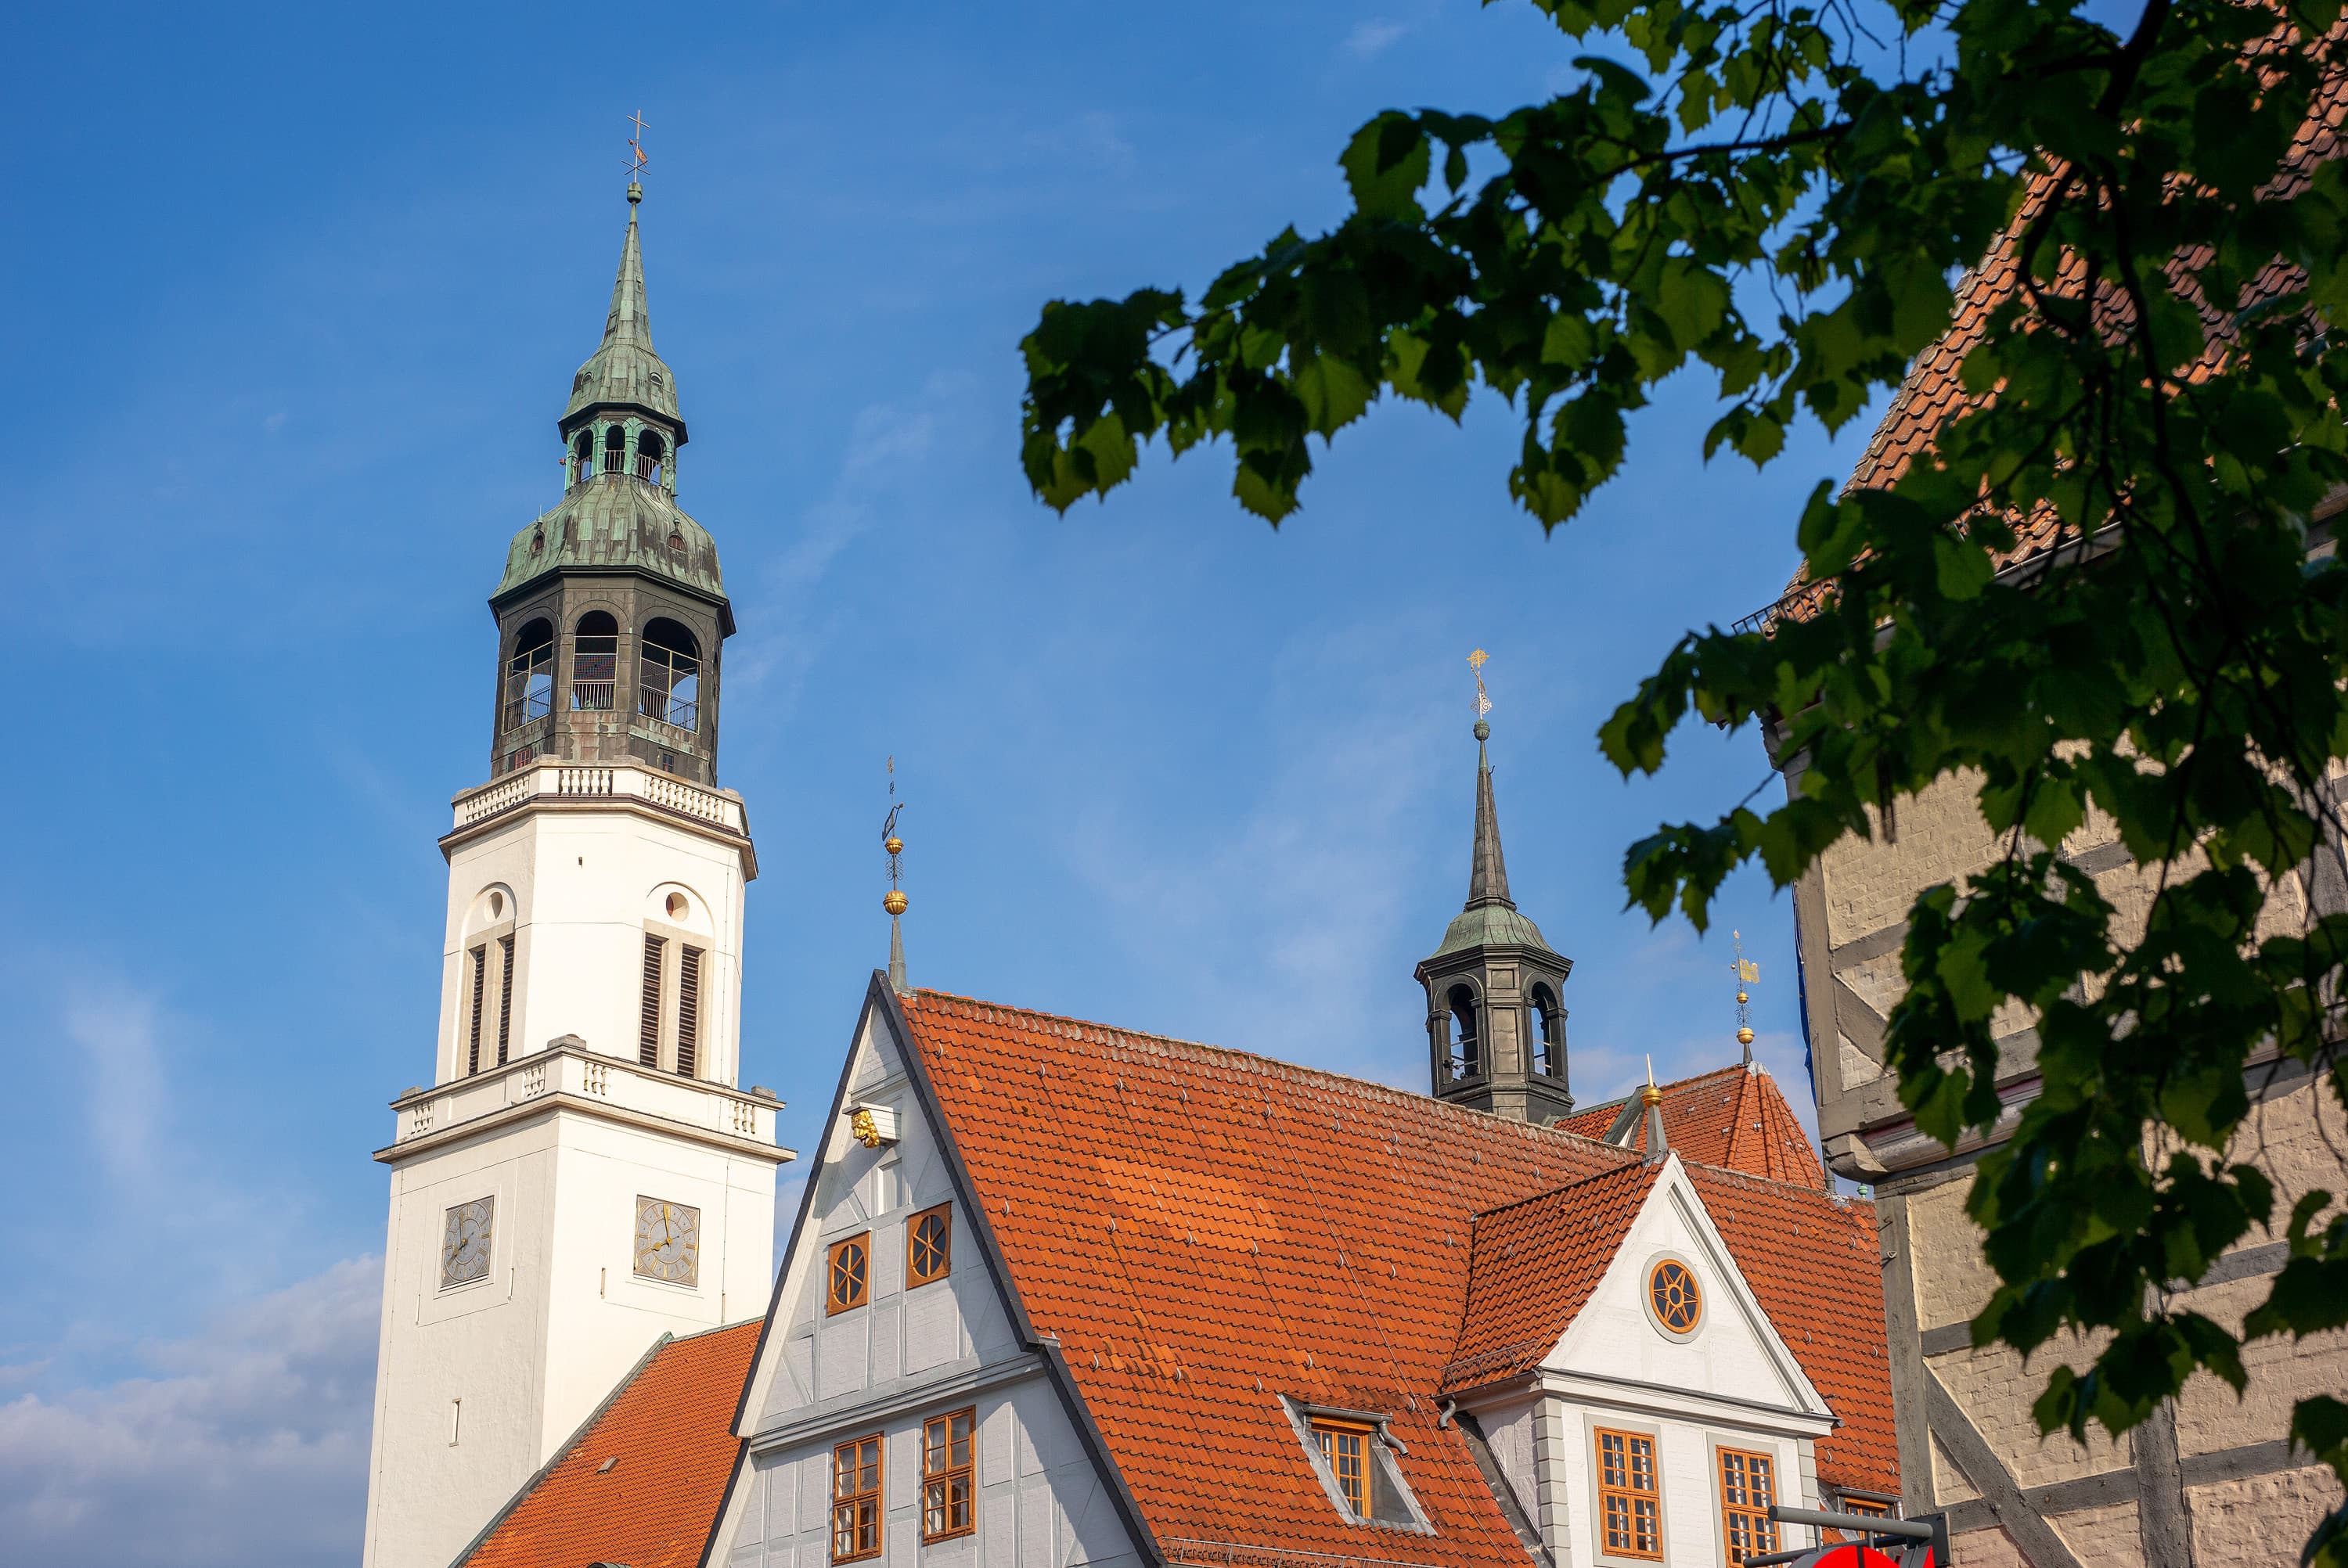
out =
column 465, row 1243
column 668, row 1241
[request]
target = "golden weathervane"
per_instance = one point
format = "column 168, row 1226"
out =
column 894, row 899
column 1477, row 662
column 1748, row 972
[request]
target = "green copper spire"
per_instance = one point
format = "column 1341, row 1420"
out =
column 625, row 372
column 1489, row 916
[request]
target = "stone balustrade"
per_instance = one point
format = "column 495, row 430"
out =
column 567, row 1067
column 551, row 779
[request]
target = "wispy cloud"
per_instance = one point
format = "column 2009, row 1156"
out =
column 113, row 1024
column 1371, row 39
column 244, row 1444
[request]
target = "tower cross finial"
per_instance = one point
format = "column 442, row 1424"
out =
column 637, row 158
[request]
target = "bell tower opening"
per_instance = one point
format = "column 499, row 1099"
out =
column 1464, row 1058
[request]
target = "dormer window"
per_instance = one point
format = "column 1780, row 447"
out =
column 1354, row 1459
column 1344, row 1449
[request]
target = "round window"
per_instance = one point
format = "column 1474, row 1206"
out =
column 497, row 905
column 1673, row 1296
column 676, row 905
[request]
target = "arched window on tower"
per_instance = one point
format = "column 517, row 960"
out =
column 583, row 458
column 529, row 676
column 1548, row 1033
column 668, row 676
column 594, row 663
column 1467, row 1054
column 650, row 451
column 615, row 450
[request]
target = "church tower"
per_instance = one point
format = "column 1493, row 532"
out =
column 1495, row 1026
column 585, row 1173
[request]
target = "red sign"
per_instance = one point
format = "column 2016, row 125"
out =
column 1851, row 1555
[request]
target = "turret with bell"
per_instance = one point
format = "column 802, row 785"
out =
column 1495, row 1021
column 611, row 609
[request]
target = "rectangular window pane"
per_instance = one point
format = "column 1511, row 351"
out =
column 1630, row 1510
column 856, row 1500
column 948, row 1484
column 1747, row 1488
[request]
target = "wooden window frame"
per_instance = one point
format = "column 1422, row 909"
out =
column 832, row 1304
column 943, row 1214
column 1329, row 1435
column 1694, row 1297
column 861, row 1505
column 938, row 1479
column 1628, row 1492
column 1759, row 1475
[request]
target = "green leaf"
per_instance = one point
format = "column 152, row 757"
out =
column 1385, row 164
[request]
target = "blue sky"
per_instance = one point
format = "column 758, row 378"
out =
column 297, row 295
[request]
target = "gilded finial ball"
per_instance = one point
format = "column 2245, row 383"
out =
column 1745, row 1036
column 1742, row 998
column 893, row 901
column 1483, row 730
column 1650, row 1095
column 893, row 844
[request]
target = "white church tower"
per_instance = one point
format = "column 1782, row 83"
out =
column 585, row 1173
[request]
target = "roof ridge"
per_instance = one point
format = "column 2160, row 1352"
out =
column 1839, row 1200
column 1548, row 1194
column 1284, row 1068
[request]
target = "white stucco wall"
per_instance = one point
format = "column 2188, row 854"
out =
column 908, row 1354
column 523, row 1356
column 583, row 883
column 534, row 1347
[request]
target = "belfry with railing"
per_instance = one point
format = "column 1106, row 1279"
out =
column 611, row 609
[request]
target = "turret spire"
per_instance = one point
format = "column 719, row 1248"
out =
column 1488, row 872
column 1494, row 1023
column 630, row 322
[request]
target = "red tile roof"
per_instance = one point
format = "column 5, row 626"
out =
column 1532, row 1265
column 1736, row 1118
column 1206, row 1230
column 1815, row 1267
column 1932, row 393
column 669, row 1430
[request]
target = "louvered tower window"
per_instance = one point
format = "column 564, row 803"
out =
column 648, row 1028
column 688, row 1010
column 505, row 996
column 481, row 961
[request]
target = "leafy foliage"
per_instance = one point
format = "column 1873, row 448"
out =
column 1776, row 194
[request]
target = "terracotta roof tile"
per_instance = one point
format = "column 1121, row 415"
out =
column 1814, row 1263
column 1736, row 1118
column 1932, row 393
column 1206, row 1230
column 1532, row 1265
column 669, row 1432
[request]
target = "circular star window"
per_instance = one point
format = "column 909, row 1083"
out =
column 1674, row 1298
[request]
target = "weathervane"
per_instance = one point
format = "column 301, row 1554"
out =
column 637, row 158
column 895, row 900
column 1476, row 661
column 1748, row 972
